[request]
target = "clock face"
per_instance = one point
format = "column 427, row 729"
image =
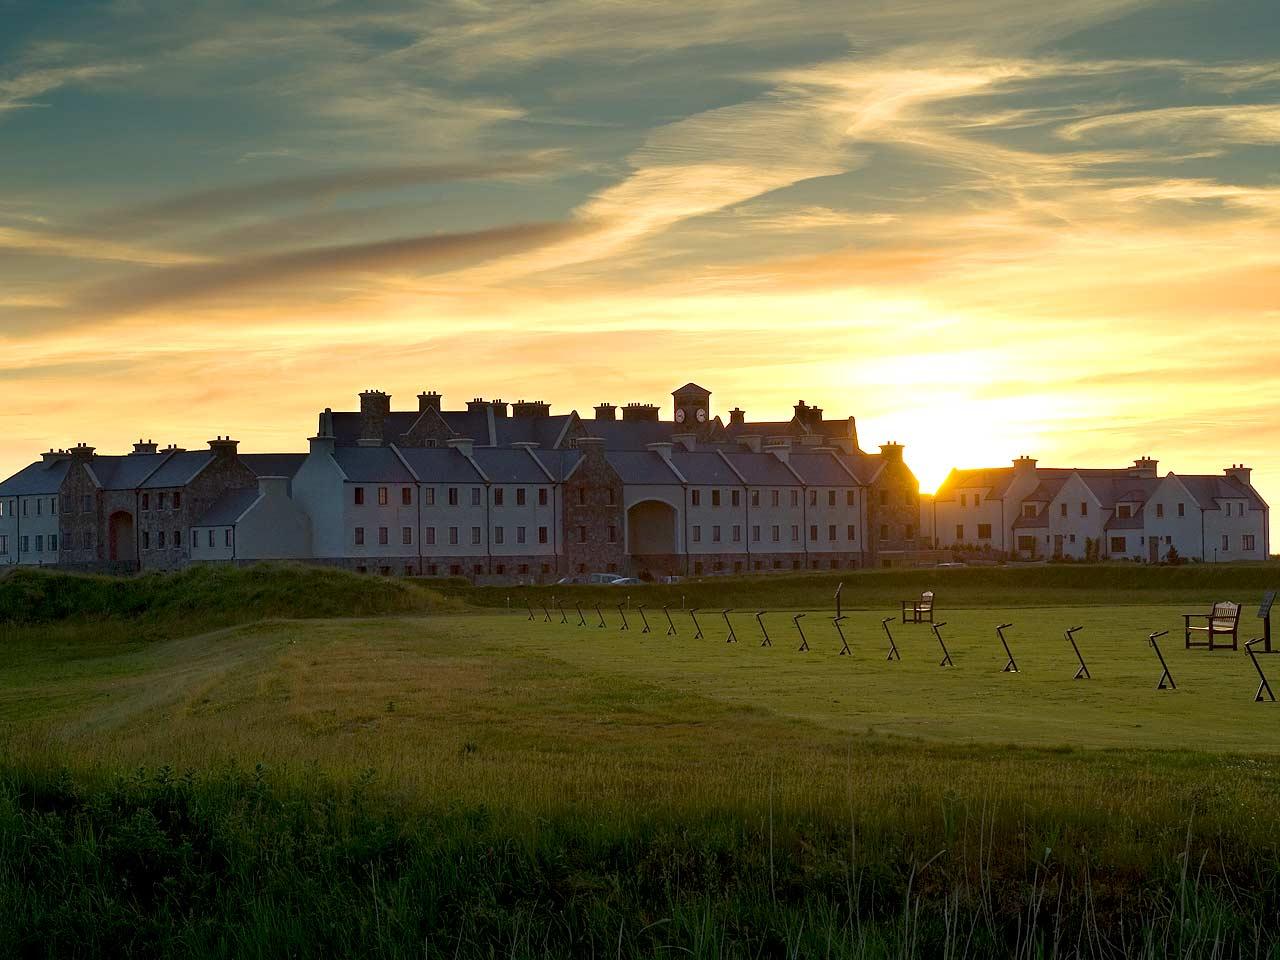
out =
column 701, row 415
column 679, row 416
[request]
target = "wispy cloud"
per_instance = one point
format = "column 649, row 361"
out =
column 22, row 90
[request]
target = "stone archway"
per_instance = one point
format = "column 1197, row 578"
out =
column 121, row 538
column 652, row 537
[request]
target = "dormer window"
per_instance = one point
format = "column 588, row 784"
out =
column 1124, row 511
column 1029, row 510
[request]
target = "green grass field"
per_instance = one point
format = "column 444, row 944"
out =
column 436, row 780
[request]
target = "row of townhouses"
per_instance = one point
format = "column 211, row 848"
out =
column 1131, row 513
column 492, row 491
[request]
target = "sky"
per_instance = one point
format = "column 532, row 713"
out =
column 983, row 227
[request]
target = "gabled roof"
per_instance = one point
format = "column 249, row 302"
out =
column 544, row 431
column 125, row 472
column 1116, row 486
column 704, row 467
column 273, row 464
column 633, row 434
column 1209, row 489
column 762, row 469
column 439, row 465
column 374, row 464
column 641, row 467
column 179, row 470
column 821, row 469
column 508, row 466
column 36, row 478
column 227, row 510
column 995, row 480
column 1039, row 521
column 559, row 463
column 689, row 387
column 865, row 466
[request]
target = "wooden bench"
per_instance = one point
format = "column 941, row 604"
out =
column 1222, row 621
column 920, row 610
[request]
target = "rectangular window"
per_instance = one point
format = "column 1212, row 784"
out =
column 453, row 496
column 849, row 498
column 430, row 534
column 884, row 531
column 984, row 531
column 884, row 498
column 1029, row 510
column 582, row 496
column 499, row 535
column 87, row 540
column 24, row 544
column 1182, row 509
column 1247, row 543
column 383, row 536
column 227, row 536
column 851, row 533
column 813, row 498
column 777, row 533
column 163, row 498
column 964, row 499
column 831, row 532
column 1159, row 511
column 86, row 503
column 776, row 494
column 611, row 497
column 977, row 501
column 160, row 539
column 755, row 498
column 697, row 533
column 542, row 496
column 359, row 496
column 813, row 533
column 359, row 536
column 1118, row 545
column 53, row 542
column 4, row 543
column 519, row 496
column 735, row 498
column 1226, row 542
column 475, row 496
column 475, row 536
column 1228, row 509
column 795, row 533
column 39, row 543
column 520, row 534
column 1124, row 511
column 755, row 533
column 146, row 539
column 1062, row 509
column 695, row 497
column 211, row 543
column 406, row 496
column 177, row 538
column 406, row 535
column 146, row 501
column 1084, row 509
column 715, row 498
column 429, row 496
column 177, row 500
column 960, row 532
column 1027, row 544
column 737, row 533
column 795, row 498
column 542, row 534
column 613, row 534
column 453, row 536
column 715, row 534
column 831, row 498
column 497, row 496
column 582, row 534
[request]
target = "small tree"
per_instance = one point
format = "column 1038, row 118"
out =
column 1173, row 558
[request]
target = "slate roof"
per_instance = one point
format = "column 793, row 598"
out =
column 273, row 464
column 434, row 464
column 1209, row 489
column 36, row 478
column 374, row 464
column 762, row 469
column 544, row 431
column 559, row 463
column 228, row 508
column 126, row 472
column 820, row 469
column 995, row 480
column 508, row 466
column 704, row 467
column 634, row 434
column 179, row 470
column 1115, row 486
column 865, row 466
column 1039, row 521
column 641, row 467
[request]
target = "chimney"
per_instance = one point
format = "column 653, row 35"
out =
column 375, row 407
column 592, row 449
column 752, row 441
column 81, row 452
column 464, row 445
column 802, row 412
column 223, row 447
column 429, row 400
column 640, row 412
column 606, row 411
column 661, row 449
column 54, row 456
column 686, row 440
column 499, row 408
column 1239, row 472
column 144, row 447
column 174, row 448
column 273, row 486
column 535, row 408
column 780, row 450
column 891, row 451
column 815, row 415
column 477, row 405
column 323, row 441
column 1145, row 467
column 1023, row 465
column 737, row 417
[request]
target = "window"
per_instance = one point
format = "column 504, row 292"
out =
column 86, row 503
column 715, row 534
column 984, row 531
column 831, row 498
column 755, row 533
column 1246, row 543
column 542, row 534
column 777, row 533
column 831, row 532
column 146, row 539
column 715, row 498
column 453, row 496
column 146, row 501
column 1084, row 509
column 1159, row 511
column 4, row 543
column 737, row 533
column 520, row 534
column 519, row 496
column 1226, row 542
column 429, row 496
column 611, row 497
column 542, row 496
column 1118, row 545
column 1228, row 508
column 960, row 532
column 406, row 535
column 697, row 533
column 795, row 498
column 884, row 498
column 87, row 540
column 453, row 536
column 582, row 534
column 755, row 498
column 475, row 496
column 1182, row 509
column 359, row 496
column 406, row 496
column 160, row 539
column 430, row 534
column 813, row 533
column 1029, row 510
column 177, row 538
column 977, row 501
column 475, row 536
column 497, row 496
column 964, row 499
column 383, row 536
column 24, row 544
column 795, row 533
column 499, row 535
column 211, row 540
column 695, row 497
column 226, row 536
column 884, row 531
column 776, row 496
column 735, row 498
column 177, row 500
column 849, row 498
column 1062, row 510
column 163, row 497
column 1072, row 538
column 53, row 543
column 851, row 532
column 1027, row 544
column 1124, row 511
column 39, row 543
column 613, row 534
column 359, row 536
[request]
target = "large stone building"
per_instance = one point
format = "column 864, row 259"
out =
column 1031, row 512
column 495, row 490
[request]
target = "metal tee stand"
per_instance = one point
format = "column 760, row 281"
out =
column 693, row 615
column 1166, row 675
column 622, row 613
column 643, row 618
column 582, row 621
column 946, row 654
column 733, row 637
column 893, row 647
column 766, row 642
column 844, row 644
column 804, row 642
column 564, row 618
column 1082, row 672
column 1262, row 677
column 601, row 625
column 671, row 627
column 530, row 608
column 546, row 614
column 1011, row 665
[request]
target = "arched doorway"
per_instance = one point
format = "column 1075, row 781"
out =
column 652, row 537
column 120, row 538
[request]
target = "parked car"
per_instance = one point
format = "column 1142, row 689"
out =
column 671, row 579
column 566, row 581
column 627, row 582
column 604, row 578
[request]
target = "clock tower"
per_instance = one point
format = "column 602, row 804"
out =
column 693, row 406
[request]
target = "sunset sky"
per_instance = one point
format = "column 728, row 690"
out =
column 983, row 227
